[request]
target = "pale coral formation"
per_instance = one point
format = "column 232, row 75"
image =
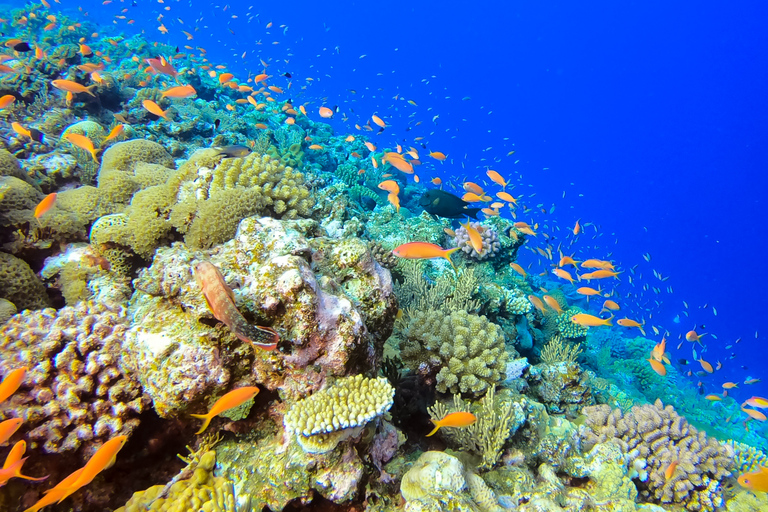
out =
column 659, row 436
column 348, row 403
column 75, row 395
column 468, row 349
column 19, row 284
column 201, row 490
column 490, row 239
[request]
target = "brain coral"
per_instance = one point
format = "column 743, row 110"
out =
column 320, row 420
column 75, row 395
column 659, row 436
column 491, row 245
column 468, row 349
column 20, row 285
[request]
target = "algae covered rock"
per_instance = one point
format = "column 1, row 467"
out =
column 182, row 354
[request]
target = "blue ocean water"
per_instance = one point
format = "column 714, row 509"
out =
column 645, row 121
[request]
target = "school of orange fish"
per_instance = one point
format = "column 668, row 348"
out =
column 258, row 94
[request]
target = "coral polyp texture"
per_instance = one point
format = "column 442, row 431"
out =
column 348, row 403
column 658, row 437
column 75, row 395
column 468, row 349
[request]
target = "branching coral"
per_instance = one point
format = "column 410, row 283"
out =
column 557, row 350
column 661, row 437
column 497, row 420
column 75, row 395
column 445, row 294
column 468, row 349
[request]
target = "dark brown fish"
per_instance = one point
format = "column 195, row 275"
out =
column 221, row 302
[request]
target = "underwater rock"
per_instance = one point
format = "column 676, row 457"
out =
column 182, row 354
column 562, row 387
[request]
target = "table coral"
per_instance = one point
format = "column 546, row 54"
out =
column 468, row 349
column 660, row 436
column 75, row 395
column 320, row 421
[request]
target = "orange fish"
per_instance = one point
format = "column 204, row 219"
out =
column 706, row 366
column 316, row 146
column 390, row 186
column 82, row 142
column 567, row 260
column 587, row 320
column 398, row 162
column 757, row 401
column 15, row 456
column 563, row 274
column 755, row 415
column 537, row 303
column 437, row 155
column 370, row 146
column 6, row 473
column 713, row 398
column 592, row 263
column 497, row 178
column 756, row 480
column 73, row 87
column 55, row 494
column 154, row 108
column 670, row 470
column 225, row 77
column 115, row 132
column 730, row 385
column 693, row 336
column 162, row 66
column 7, row 100
column 221, row 302
column 376, row 119
column 8, row 428
column 325, row 112
column 657, row 367
column 627, row 322
column 552, row 303
column 599, row 274
column 11, row 383
column 610, row 305
column 99, row 461
column 42, row 207
column 517, row 268
column 181, row 91
column 229, row 401
column 586, row 290
column 454, row 419
column 474, row 188
column 423, row 250
column 658, row 350
column 437, row 181
column 394, row 201
column 475, row 238
column 577, row 228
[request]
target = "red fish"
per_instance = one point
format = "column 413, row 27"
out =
column 221, row 302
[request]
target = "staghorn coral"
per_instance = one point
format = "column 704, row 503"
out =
column 557, row 350
column 19, row 284
column 468, row 349
column 491, row 245
column 659, row 436
column 75, row 395
column 325, row 418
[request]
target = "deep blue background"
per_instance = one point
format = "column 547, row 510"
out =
column 651, row 117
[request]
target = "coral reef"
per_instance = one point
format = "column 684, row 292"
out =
column 659, row 437
column 320, row 421
column 75, row 395
column 468, row 350
column 181, row 354
column 19, row 284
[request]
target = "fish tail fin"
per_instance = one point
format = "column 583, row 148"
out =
column 89, row 91
column 33, row 479
column 472, row 212
column 448, row 257
column 207, row 422
column 437, row 427
column 608, row 320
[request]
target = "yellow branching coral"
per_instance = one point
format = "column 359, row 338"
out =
column 557, row 350
column 325, row 418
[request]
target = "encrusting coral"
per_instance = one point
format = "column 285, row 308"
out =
column 20, row 285
column 75, row 395
column 320, row 421
column 468, row 350
column 660, row 437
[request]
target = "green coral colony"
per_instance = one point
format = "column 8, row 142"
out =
column 99, row 302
